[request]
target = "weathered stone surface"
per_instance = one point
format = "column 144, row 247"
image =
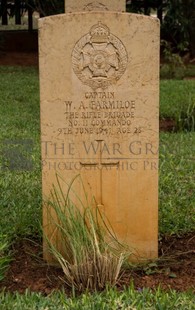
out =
column 95, row 5
column 99, row 87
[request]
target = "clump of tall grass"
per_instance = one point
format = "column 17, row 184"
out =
column 90, row 255
column 4, row 256
column 186, row 118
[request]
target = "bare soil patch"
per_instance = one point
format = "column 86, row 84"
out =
column 18, row 48
column 19, row 59
column 175, row 269
column 167, row 124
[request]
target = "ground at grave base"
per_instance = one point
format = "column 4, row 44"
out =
column 175, row 270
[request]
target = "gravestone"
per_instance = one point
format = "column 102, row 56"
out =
column 99, row 92
column 94, row 5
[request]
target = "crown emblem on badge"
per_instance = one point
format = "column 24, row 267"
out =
column 99, row 33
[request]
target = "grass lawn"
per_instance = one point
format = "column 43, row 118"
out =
column 111, row 299
column 20, row 195
column 177, row 102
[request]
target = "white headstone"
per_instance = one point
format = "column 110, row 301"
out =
column 99, row 86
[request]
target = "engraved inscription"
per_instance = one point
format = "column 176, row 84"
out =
column 100, row 113
column 99, row 58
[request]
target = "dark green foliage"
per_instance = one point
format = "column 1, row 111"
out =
column 145, row 6
column 179, row 24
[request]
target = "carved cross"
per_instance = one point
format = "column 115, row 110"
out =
column 101, row 164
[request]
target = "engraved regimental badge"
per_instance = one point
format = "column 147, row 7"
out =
column 99, row 58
